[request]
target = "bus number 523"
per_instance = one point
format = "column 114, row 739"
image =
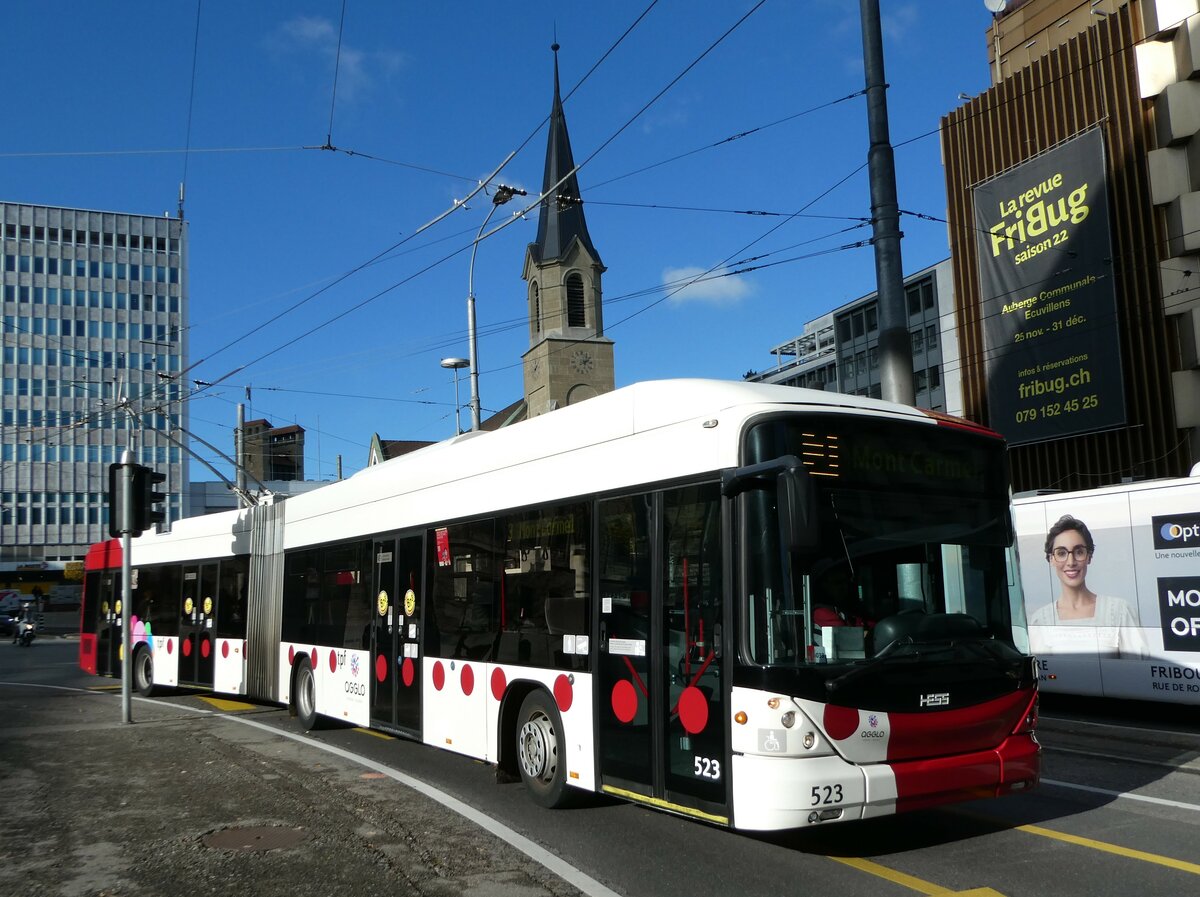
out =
column 826, row 794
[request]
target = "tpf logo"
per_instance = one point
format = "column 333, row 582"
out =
column 1176, row 531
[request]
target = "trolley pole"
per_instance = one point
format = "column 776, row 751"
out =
column 895, row 350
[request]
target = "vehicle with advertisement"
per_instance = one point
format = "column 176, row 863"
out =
column 1139, row 633
column 759, row 606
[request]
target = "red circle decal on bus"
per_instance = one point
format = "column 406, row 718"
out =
column 312, row 658
column 291, row 654
column 624, row 700
column 467, row 679
column 499, row 683
column 224, row 649
column 332, row 661
column 407, row 672
column 187, row 647
column 840, row 722
column 170, row 646
column 205, row 648
column 564, row 696
column 693, row 710
column 439, row 675
column 381, row 666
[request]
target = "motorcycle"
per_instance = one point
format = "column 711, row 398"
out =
column 26, row 628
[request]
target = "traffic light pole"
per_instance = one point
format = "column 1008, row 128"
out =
column 126, row 524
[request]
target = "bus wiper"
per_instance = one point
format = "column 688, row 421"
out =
column 832, row 685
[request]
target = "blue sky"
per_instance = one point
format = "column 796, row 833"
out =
column 432, row 97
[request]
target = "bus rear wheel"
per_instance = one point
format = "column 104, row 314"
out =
column 304, row 696
column 143, row 672
column 541, row 754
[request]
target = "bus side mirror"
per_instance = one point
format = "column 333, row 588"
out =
column 797, row 502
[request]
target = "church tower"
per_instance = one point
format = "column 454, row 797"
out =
column 569, row 358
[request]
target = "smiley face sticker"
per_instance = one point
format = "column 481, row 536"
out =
column 187, row 605
column 410, row 603
column 382, row 603
column 208, row 606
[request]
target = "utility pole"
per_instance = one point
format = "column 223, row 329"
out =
column 895, row 348
column 126, row 524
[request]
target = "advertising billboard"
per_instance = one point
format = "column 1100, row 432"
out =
column 1123, row 619
column 1048, row 295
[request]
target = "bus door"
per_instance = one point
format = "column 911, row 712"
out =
column 661, row 688
column 395, row 634
column 108, row 623
column 383, row 635
column 198, row 612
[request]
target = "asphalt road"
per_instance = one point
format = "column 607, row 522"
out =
column 98, row 807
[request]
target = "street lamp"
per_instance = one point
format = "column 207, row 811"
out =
column 455, row 364
column 502, row 195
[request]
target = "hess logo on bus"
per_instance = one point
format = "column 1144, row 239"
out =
column 935, row 699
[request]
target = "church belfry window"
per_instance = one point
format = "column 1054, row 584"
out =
column 576, row 311
column 535, row 309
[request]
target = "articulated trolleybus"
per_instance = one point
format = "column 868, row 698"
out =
column 759, row 606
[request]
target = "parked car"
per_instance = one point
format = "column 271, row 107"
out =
column 10, row 600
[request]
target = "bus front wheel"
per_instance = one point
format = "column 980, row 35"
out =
column 304, row 696
column 541, row 754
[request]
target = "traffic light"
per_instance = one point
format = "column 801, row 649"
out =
column 119, row 517
column 145, row 515
column 140, row 513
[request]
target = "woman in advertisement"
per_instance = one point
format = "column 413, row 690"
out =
column 1112, row 630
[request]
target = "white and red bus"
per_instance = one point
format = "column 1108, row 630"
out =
column 760, row 606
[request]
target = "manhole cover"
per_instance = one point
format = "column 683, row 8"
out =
column 259, row 837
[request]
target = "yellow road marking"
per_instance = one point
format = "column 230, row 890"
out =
column 911, row 881
column 227, row 705
column 383, row 735
column 1181, row 865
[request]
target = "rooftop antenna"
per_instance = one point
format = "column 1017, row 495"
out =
column 181, row 189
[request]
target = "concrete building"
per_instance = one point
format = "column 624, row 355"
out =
column 272, row 453
column 94, row 339
column 839, row 350
column 1092, row 118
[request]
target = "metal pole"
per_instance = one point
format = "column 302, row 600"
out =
column 126, row 590
column 895, row 349
column 240, row 450
column 457, row 406
column 475, row 417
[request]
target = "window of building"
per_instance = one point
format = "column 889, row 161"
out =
column 872, row 314
column 858, row 324
column 931, row 336
column 576, row 311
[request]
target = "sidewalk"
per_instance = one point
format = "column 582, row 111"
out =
column 177, row 803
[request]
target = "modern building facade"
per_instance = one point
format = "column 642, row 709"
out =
column 93, row 344
column 1092, row 115
column 839, row 351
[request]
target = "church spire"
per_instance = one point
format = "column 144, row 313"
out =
column 560, row 219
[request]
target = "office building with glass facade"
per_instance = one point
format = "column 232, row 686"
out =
column 94, row 342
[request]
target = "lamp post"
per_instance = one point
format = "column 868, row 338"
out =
column 502, row 195
column 455, row 364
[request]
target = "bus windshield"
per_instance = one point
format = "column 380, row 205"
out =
column 912, row 536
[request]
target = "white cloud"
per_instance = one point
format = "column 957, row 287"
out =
column 716, row 287
column 899, row 22
column 358, row 70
